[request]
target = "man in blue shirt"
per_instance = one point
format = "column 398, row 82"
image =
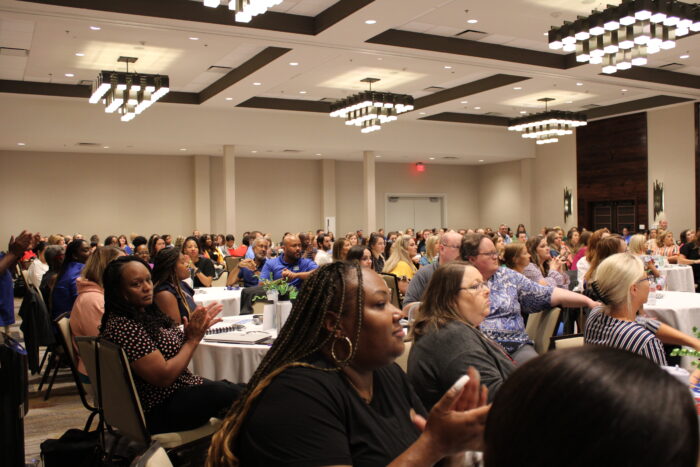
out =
column 290, row 264
column 250, row 254
column 248, row 270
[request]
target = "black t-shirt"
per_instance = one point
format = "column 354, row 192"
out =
column 206, row 267
column 310, row 417
column 691, row 251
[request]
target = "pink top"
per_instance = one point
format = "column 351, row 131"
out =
column 667, row 251
column 579, row 254
column 86, row 316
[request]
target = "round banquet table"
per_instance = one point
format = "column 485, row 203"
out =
column 233, row 362
column 230, row 299
column 679, row 278
column 680, row 310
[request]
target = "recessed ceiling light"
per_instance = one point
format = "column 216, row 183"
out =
column 523, row 111
column 377, row 157
column 293, row 63
column 545, row 34
column 21, row 144
column 463, row 102
column 421, row 113
column 472, row 21
column 183, row 149
column 447, row 67
column 69, row 75
column 579, row 84
column 623, row 90
column 431, row 158
column 319, row 154
column 371, row 21
column 380, row 58
column 254, row 152
column 105, row 147
column 569, row 102
column 684, row 56
column 302, row 92
column 194, row 38
column 477, row 108
column 517, row 88
column 79, row 54
column 95, row 28
column 229, row 98
column 257, row 84
column 481, row 160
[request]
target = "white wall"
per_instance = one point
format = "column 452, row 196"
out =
column 671, row 142
column 554, row 169
column 103, row 194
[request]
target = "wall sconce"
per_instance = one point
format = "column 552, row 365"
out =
column 568, row 205
column 658, row 198
column 420, row 167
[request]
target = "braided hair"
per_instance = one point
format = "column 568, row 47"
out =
column 164, row 266
column 152, row 319
column 303, row 334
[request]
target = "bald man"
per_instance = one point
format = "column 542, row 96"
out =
column 290, row 264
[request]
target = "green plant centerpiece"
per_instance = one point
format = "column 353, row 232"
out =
column 681, row 352
column 285, row 290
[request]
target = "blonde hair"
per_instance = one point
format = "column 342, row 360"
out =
column 661, row 237
column 638, row 244
column 399, row 252
column 55, row 239
column 97, row 263
column 615, row 276
column 431, row 246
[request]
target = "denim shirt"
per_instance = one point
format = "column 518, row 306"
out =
column 513, row 294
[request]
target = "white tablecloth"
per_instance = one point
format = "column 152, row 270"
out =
column 230, row 299
column 680, row 310
column 233, row 362
column 679, row 278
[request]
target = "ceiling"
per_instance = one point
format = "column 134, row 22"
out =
column 289, row 64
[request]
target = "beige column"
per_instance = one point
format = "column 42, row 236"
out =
column 328, row 206
column 370, row 194
column 526, row 175
column 202, row 194
column 229, row 175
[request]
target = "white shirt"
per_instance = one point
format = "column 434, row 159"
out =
column 582, row 267
column 36, row 271
column 323, row 257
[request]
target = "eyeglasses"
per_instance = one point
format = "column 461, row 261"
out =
column 478, row 287
column 648, row 279
column 492, row 254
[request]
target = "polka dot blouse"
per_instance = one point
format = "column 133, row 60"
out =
column 136, row 342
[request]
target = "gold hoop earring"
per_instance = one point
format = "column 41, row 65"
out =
column 335, row 358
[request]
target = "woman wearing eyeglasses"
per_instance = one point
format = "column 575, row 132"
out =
column 511, row 295
column 447, row 336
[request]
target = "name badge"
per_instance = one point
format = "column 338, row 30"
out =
column 295, row 268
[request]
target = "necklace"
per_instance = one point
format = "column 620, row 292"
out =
column 366, row 400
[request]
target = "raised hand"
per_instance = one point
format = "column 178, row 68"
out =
column 20, row 244
column 201, row 319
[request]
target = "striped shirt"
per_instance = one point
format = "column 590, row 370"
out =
column 634, row 336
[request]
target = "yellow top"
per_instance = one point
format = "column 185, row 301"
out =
column 403, row 269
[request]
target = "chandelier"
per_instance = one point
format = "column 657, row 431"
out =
column 129, row 94
column 545, row 126
column 622, row 36
column 370, row 109
column 245, row 9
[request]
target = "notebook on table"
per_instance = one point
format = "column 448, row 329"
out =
column 239, row 337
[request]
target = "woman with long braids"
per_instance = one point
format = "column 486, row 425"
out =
column 328, row 393
column 173, row 399
column 172, row 295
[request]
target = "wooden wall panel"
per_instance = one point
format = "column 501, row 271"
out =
column 611, row 163
column 697, row 165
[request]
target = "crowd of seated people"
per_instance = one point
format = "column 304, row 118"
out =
column 467, row 289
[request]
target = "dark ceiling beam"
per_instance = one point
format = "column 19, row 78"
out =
column 634, row 106
column 475, row 87
column 45, row 89
column 299, row 105
column 337, row 12
column 473, row 119
column 260, row 60
column 453, row 45
column 655, row 75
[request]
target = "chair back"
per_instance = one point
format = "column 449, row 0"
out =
column 542, row 328
column 86, row 349
column 566, row 342
column 402, row 360
column 232, row 262
column 393, row 283
column 63, row 325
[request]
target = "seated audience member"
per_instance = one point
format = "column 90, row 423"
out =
column 209, row 250
column 168, row 239
column 124, row 245
column 179, row 241
column 237, row 251
column 340, row 249
column 557, row 247
column 591, row 389
column 155, row 244
column 447, row 336
column 250, row 254
column 323, row 250
column 173, row 399
column 361, row 254
column 690, row 254
column 622, row 285
column 141, row 250
column 605, row 248
column 637, row 246
column 290, row 264
column 513, row 294
column 401, row 261
column 666, row 246
column 65, row 291
column 23, row 242
column 329, row 375
column 54, row 255
column 448, row 250
column 308, row 250
column 581, row 251
column 171, row 294
column 57, row 239
column 86, row 315
column 248, row 270
column 376, row 246
column 39, row 266
column 112, row 240
column 201, row 268
column 352, row 238
column 220, row 244
column 584, row 264
column 687, row 236
column 544, row 269
column 423, row 241
column 431, row 250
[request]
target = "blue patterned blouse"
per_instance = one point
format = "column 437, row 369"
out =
column 513, row 294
